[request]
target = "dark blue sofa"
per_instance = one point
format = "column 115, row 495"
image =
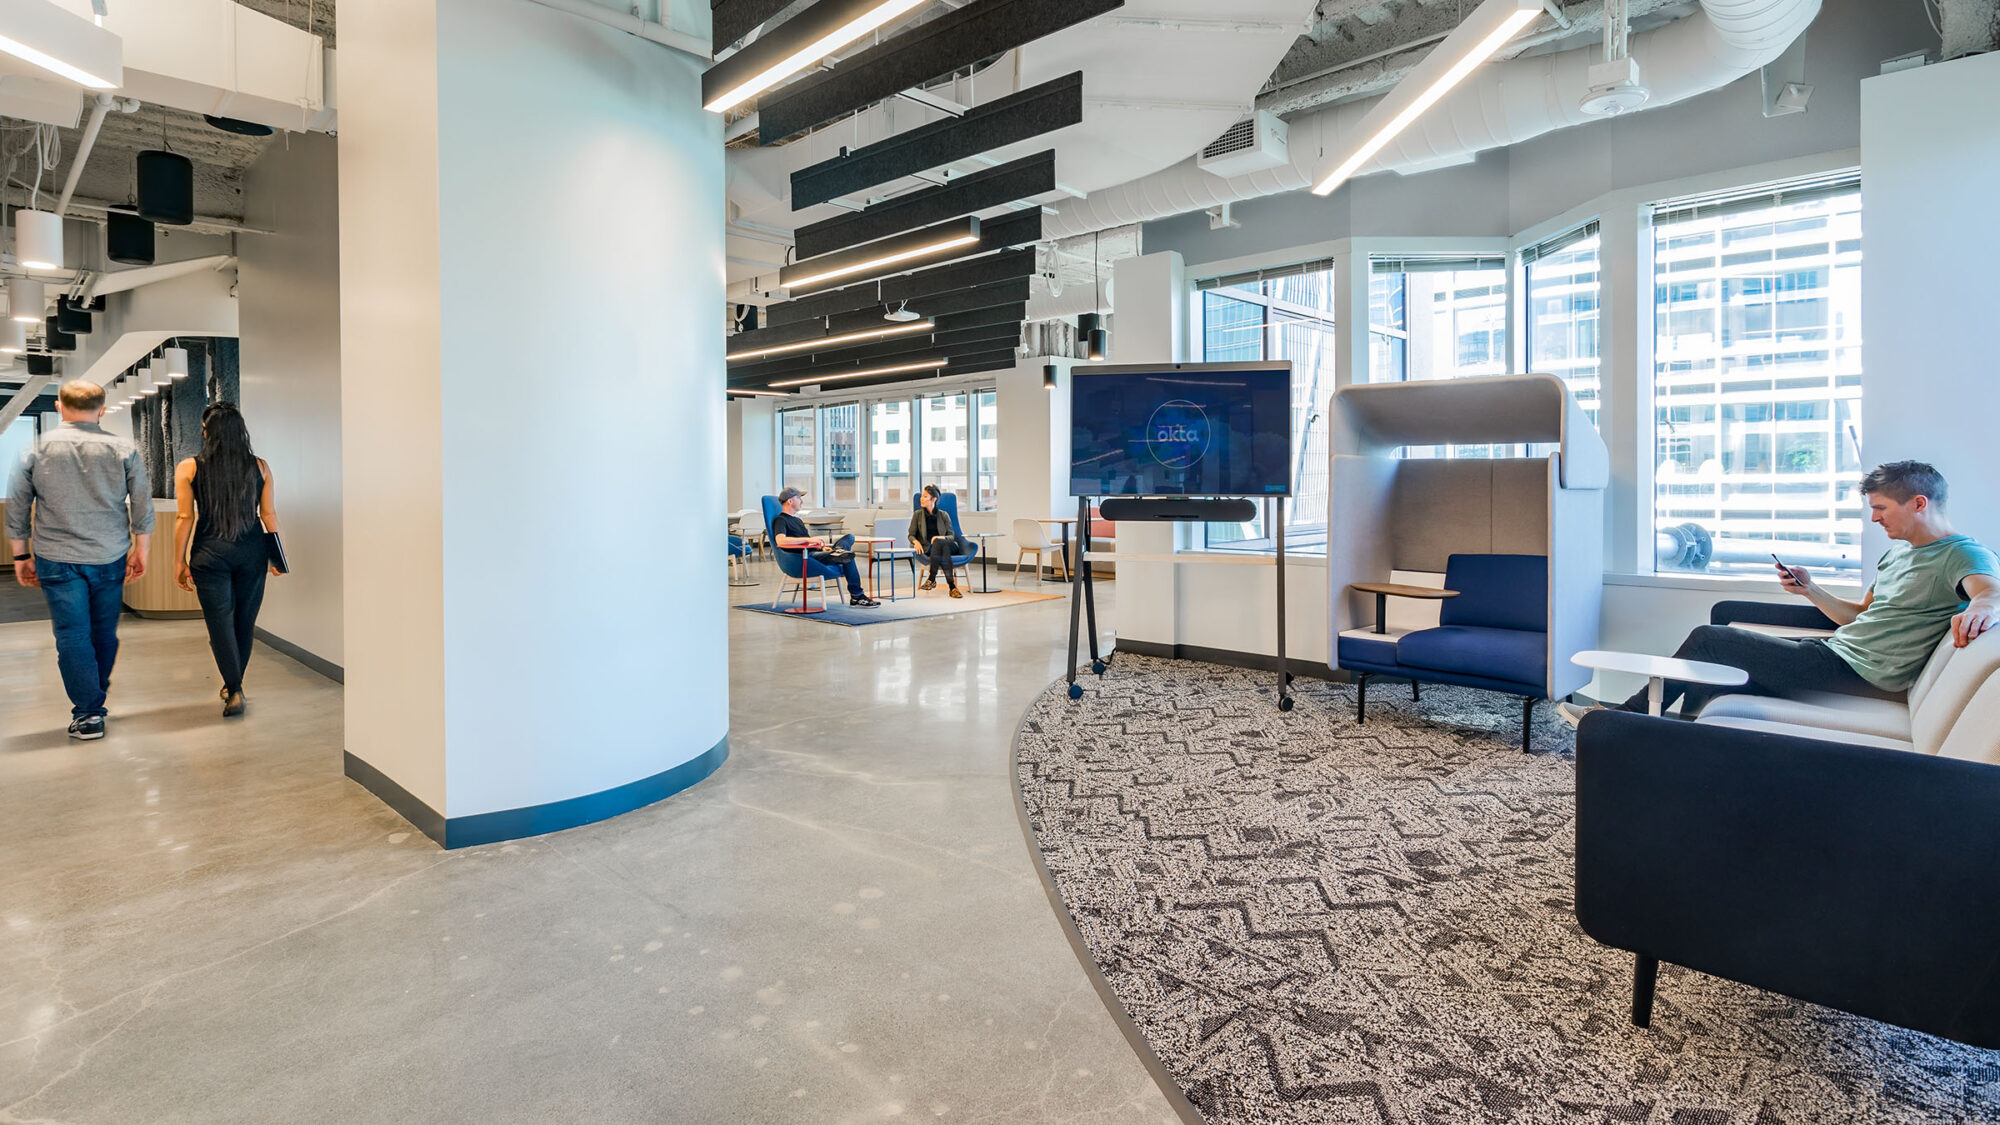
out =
column 1493, row 635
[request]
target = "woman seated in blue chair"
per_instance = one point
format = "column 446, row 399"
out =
column 932, row 533
column 790, row 533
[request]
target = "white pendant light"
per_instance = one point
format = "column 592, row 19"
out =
column 176, row 360
column 155, row 373
column 38, row 239
column 25, row 300
column 1477, row 37
column 13, row 337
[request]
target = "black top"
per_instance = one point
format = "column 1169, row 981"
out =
column 786, row 524
column 204, row 524
column 935, row 523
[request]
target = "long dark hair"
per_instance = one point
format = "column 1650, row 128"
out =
column 229, row 473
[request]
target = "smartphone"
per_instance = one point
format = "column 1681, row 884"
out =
column 1789, row 572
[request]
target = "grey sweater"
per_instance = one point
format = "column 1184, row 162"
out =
column 83, row 493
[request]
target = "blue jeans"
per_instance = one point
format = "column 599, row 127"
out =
column 84, row 603
column 848, row 570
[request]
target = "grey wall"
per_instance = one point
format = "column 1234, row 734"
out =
column 289, row 289
column 1509, row 190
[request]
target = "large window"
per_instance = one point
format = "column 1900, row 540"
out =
column 1438, row 317
column 878, row 452
column 798, row 451
column 1562, row 316
column 1280, row 314
column 1757, row 379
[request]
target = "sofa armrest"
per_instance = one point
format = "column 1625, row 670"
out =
column 1769, row 613
column 1866, row 880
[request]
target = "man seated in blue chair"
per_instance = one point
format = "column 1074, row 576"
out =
column 931, row 532
column 790, row 533
column 1942, row 582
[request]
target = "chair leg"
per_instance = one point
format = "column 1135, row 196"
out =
column 1645, row 977
column 781, row 592
column 1016, row 584
column 1361, row 698
column 1527, row 717
column 1415, row 695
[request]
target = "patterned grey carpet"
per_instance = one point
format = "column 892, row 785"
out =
column 1314, row 921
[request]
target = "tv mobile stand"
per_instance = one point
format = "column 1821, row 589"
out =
column 1083, row 595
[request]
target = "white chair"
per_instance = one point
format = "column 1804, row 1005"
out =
column 1033, row 539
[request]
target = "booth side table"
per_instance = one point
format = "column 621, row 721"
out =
column 1658, row 670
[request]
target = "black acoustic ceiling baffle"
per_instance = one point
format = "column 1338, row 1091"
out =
column 72, row 317
column 240, row 128
column 876, row 259
column 128, row 238
column 1015, row 291
column 55, row 339
column 166, row 188
column 40, row 364
column 1052, row 105
column 976, row 32
column 959, row 275
column 733, row 19
column 990, row 187
column 1007, row 231
column 980, row 318
column 938, row 291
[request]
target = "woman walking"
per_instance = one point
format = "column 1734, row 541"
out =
column 226, row 506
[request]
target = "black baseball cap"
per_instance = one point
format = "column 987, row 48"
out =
column 785, row 497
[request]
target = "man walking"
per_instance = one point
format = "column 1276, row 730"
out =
column 82, row 497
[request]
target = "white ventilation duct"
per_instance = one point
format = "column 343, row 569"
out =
column 1501, row 104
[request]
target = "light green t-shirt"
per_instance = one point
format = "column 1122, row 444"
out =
column 1916, row 596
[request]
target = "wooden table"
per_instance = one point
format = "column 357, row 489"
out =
column 1658, row 670
column 1383, row 591
column 871, row 540
column 1069, row 562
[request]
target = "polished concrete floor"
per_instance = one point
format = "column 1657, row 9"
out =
column 204, row 922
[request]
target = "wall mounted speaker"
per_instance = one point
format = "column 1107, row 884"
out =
column 55, row 339
column 128, row 238
column 72, row 317
column 166, row 188
column 40, row 364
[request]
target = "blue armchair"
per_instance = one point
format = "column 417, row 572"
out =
column 793, row 564
column 948, row 504
column 1493, row 635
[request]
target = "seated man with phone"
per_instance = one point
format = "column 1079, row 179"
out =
column 1941, row 582
column 790, row 533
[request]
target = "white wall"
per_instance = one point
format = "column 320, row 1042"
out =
column 1930, row 166
column 753, row 452
column 598, row 666
column 289, row 296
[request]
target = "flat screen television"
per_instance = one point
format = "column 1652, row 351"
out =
column 1183, row 429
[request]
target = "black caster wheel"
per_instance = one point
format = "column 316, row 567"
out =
column 1097, row 666
column 1076, row 691
column 1284, row 703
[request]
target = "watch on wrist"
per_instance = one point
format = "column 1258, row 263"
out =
column 23, row 558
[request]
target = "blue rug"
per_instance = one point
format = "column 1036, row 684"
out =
column 931, row 604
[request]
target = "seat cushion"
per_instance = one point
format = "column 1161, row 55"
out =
column 1975, row 737
column 1367, row 652
column 1497, row 592
column 1515, row 655
column 1795, row 730
column 1882, row 718
column 1960, row 676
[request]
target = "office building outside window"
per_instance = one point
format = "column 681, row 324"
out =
column 1757, row 380
column 1562, row 312
column 889, row 449
column 945, row 456
column 1279, row 314
column 987, row 492
column 798, row 451
column 840, row 430
column 823, row 449
column 1438, row 317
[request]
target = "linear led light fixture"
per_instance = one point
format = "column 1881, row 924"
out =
column 40, row 33
column 793, row 46
column 917, row 245
column 820, row 342
column 1485, row 31
column 761, row 394
column 920, row 365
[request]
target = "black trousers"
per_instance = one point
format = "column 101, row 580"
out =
column 229, row 580
column 941, row 551
column 1776, row 666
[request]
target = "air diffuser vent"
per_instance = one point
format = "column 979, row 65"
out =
column 1251, row 145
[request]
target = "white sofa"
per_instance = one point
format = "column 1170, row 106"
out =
column 1953, row 709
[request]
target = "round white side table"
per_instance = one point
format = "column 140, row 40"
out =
column 1658, row 670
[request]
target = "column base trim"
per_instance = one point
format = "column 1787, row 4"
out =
column 535, row 820
column 304, row 656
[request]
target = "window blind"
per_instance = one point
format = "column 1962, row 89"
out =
column 1559, row 243
column 1733, row 203
column 1226, row 281
column 1436, row 263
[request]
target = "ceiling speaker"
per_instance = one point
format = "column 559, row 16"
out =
column 72, row 317
column 55, row 339
column 40, row 364
column 166, row 188
column 128, row 238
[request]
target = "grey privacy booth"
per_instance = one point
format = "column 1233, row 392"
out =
column 1524, row 536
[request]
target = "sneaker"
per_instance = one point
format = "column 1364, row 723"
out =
column 957, row 593
column 232, row 703
column 1573, row 714
column 90, row 728
column 864, row 603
